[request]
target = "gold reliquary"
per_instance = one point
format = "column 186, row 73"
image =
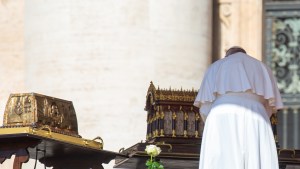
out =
column 45, row 128
column 171, row 114
column 36, row 110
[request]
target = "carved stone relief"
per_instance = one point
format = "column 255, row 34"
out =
column 225, row 13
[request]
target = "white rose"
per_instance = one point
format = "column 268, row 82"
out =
column 153, row 150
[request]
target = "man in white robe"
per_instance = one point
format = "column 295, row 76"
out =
column 237, row 96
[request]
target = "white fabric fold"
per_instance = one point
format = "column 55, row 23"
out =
column 238, row 72
column 238, row 134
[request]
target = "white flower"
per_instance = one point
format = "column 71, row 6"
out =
column 153, row 150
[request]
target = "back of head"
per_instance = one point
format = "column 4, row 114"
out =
column 234, row 49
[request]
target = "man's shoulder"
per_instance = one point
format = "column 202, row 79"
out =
column 216, row 64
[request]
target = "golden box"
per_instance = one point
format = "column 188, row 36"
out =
column 36, row 110
column 170, row 113
column 45, row 128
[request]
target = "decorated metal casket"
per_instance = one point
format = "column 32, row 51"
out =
column 36, row 110
column 170, row 113
column 45, row 128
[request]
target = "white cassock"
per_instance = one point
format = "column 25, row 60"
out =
column 237, row 96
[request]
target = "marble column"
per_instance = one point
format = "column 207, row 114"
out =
column 238, row 23
column 11, row 50
column 11, row 54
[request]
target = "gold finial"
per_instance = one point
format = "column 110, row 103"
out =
column 197, row 117
column 173, row 133
column 274, row 120
column 185, row 133
column 156, row 133
column 162, row 115
column 174, row 116
column 162, row 132
column 186, row 116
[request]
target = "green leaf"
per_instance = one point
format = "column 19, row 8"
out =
column 151, row 164
column 148, row 163
column 157, row 165
column 161, row 167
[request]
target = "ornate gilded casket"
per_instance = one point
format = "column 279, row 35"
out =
column 45, row 128
column 31, row 109
column 171, row 114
